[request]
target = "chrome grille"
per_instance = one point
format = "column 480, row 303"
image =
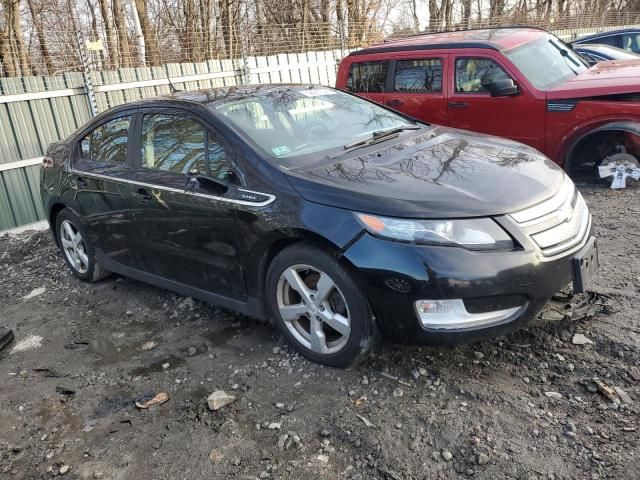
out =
column 559, row 223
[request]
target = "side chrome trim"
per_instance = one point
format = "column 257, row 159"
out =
column 269, row 198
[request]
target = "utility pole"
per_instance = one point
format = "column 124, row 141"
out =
column 86, row 73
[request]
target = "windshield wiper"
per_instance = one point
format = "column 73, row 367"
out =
column 379, row 136
column 565, row 55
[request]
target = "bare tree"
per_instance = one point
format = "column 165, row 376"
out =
column 36, row 18
column 112, row 37
column 124, row 51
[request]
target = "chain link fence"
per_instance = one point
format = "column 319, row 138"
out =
column 61, row 49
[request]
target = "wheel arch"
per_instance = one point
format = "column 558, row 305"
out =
column 587, row 132
column 54, row 210
column 276, row 242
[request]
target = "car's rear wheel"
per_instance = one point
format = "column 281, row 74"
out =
column 76, row 249
column 318, row 306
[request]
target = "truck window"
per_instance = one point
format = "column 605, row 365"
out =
column 422, row 75
column 367, row 77
column 473, row 75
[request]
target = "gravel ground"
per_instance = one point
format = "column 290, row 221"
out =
column 523, row 407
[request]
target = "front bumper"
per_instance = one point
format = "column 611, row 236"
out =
column 396, row 275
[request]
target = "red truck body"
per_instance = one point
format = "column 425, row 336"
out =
column 581, row 116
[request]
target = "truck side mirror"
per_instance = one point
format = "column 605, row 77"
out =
column 503, row 88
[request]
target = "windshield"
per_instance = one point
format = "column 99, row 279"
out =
column 291, row 122
column 547, row 62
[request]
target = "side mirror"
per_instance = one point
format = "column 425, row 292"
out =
column 503, row 88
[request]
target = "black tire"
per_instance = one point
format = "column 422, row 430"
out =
column 361, row 335
column 94, row 271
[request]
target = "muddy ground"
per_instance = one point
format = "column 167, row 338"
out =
column 481, row 411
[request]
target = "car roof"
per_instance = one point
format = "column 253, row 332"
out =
column 492, row 38
column 210, row 96
column 595, row 36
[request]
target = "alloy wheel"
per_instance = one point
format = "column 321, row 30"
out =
column 73, row 246
column 313, row 309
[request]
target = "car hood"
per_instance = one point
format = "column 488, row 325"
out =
column 604, row 78
column 437, row 172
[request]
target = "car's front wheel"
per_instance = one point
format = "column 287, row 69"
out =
column 318, row 306
column 76, row 249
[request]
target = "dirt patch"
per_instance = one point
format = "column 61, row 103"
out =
column 523, row 406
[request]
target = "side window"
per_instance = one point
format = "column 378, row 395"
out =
column 631, row 42
column 109, row 141
column 177, row 144
column 172, row 143
column 422, row 76
column 105, row 146
column 473, row 75
column 367, row 77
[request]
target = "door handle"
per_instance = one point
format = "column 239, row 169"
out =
column 144, row 195
column 458, row 104
column 393, row 103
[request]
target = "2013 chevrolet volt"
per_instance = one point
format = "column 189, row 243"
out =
column 333, row 216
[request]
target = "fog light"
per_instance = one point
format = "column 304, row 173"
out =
column 452, row 314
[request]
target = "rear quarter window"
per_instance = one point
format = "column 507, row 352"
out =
column 367, row 77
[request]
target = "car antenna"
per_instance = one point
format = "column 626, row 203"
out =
column 172, row 87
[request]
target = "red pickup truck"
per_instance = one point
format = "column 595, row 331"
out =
column 520, row 83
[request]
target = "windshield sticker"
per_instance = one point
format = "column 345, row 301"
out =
column 317, row 92
column 281, row 150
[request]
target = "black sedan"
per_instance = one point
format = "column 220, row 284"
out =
column 595, row 53
column 333, row 216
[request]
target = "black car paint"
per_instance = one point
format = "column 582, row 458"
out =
column 131, row 231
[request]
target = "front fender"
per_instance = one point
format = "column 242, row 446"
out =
column 580, row 133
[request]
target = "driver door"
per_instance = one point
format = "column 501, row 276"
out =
column 471, row 107
column 185, row 228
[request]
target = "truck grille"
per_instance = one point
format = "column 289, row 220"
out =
column 558, row 224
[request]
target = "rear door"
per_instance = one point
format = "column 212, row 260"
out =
column 471, row 107
column 99, row 181
column 368, row 79
column 416, row 87
column 185, row 217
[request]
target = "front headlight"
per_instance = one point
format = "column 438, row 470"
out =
column 474, row 234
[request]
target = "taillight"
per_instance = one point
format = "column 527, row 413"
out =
column 47, row 162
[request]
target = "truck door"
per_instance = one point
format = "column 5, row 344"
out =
column 519, row 117
column 417, row 87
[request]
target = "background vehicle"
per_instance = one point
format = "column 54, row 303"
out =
column 322, row 211
column 519, row 83
column 595, row 52
column 627, row 39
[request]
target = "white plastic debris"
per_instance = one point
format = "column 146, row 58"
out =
column 621, row 166
column 34, row 293
column 580, row 339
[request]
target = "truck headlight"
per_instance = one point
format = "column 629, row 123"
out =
column 473, row 234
